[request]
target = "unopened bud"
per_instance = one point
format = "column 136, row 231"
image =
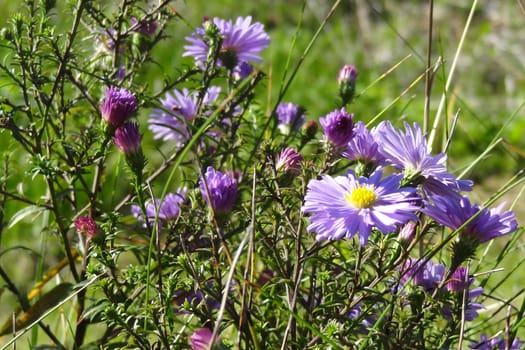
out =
column 346, row 79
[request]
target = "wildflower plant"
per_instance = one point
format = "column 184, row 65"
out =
column 193, row 211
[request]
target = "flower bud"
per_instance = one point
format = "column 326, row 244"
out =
column 128, row 140
column 86, row 225
column 407, row 232
column 459, row 281
column 289, row 160
column 310, row 129
column 338, row 127
column 346, row 79
column 201, row 339
column 222, row 190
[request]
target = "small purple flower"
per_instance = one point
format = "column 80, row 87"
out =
column 242, row 41
column 222, row 189
column 427, row 275
column 459, row 281
column 201, row 339
column 121, row 73
column 127, row 138
column 170, row 123
column 367, row 319
column 290, row 115
column 289, row 160
column 194, row 298
column 407, row 151
column 118, row 105
column 471, row 309
column 338, row 127
column 145, row 27
column 242, row 71
column 363, row 146
column 107, row 39
column 86, row 225
column 168, row 210
column 496, row 343
column 346, row 205
column 454, row 212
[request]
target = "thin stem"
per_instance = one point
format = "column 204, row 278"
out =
column 428, row 75
column 437, row 120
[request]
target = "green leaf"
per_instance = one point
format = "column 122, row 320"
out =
column 23, row 213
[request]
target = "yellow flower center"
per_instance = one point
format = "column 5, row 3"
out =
column 361, row 197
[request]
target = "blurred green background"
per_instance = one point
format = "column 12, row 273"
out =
column 374, row 35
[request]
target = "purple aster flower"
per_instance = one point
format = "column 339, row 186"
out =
column 346, row 205
column 86, row 225
column 496, row 343
column 106, row 39
column 194, row 298
column 459, row 281
column 425, row 274
column 363, row 146
column 367, row 319
column 242, row 71
column 289, row 160
column 222, row 189
column 121, row 73
column 145, row 27
column 242, row 41
column 338, row 127
column 170, row 123
column 127, row 138
column 168, row 210
column 118, row 105
column 290, row 115
column 454, row 212
column 471, row 309
column 407, row 151
column 201, row 339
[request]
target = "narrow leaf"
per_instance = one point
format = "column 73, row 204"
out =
column 23, row 213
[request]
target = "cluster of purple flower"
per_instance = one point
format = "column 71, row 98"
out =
column 164, row 211
column 178, row 110
column 218, row 189
column 430, row 277
column 397, row 180
column 241, row 42
column 344, row 206
column 496, row 343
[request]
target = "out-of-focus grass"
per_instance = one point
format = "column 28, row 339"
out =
column 373, row 35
